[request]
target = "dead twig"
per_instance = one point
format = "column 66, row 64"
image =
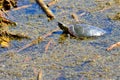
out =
column 13, row 35
column 38, row 40
column 52, row 3
column 82, row 14
column 5, row 20
column 39, row 77
column 104, row 9
column 74, row 16
column 21, row 7
column 46, row 9
column 47, row 46
column 113, row 46
column 3, row 13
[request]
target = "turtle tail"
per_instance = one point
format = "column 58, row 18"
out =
column 63, row 27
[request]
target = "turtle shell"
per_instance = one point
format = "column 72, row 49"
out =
column 85, row 30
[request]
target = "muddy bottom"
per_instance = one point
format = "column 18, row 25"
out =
column 59, row 57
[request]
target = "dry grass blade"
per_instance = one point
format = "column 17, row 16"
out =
column 104, row 9
column 113, row 46
column 47, row 46
column 82, row 14
column 6, row 21
column 74, row 16
column 46, row 9
column 51, row 3
column 21, row 7
column 39, row 77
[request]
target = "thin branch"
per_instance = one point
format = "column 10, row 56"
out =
column 46, row 9
column 51, row 3
column 21, row 7
column 74, row 16
column 113, row 46
column 39, row 77
column 47, row 46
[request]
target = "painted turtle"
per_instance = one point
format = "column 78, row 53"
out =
column 82, row 30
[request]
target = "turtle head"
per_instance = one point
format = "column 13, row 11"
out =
column 63, row 27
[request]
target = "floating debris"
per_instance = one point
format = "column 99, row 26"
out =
column 117, row 44
column 6, row 37
column 8, row 4
column 5, row 44
column 46, row 9
column 115, row 17
column 39, row 77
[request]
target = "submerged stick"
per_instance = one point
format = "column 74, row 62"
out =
column 38, row 40
column 5, row 20
column 47, row 46
column 21, row 7
column 39, row 77
column 74, row 16
column 113, row 46
column 51, row 3
column 14, row 35
column 46, row 9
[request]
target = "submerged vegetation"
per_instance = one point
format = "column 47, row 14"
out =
column 49, row 54
column 5, row 24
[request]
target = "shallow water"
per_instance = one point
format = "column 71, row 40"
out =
column 66, row 58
